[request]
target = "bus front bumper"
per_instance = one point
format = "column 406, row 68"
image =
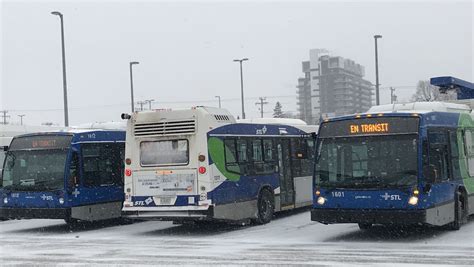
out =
column 329, row 216
column 33, row 213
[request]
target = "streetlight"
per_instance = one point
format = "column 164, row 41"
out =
column 21, row 118
column 219, row 97
column 66, row 117
column 131, row 81
column 241, row 84
column 377, row 94
column 149, row 101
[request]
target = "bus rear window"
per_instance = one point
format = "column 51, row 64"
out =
column 170, row 152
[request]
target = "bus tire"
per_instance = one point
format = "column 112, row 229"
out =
column 71, row 221
column 459, row 211
column 365, row 226
column 265, row 206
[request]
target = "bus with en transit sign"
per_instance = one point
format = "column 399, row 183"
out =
column 199, row 164
column 397, row 164
column 75, row 175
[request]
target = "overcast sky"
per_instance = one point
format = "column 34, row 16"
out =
column 185, row 50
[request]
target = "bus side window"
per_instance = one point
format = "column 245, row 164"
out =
column 454, row 152
column 243, row 156
column 269, row 156
column 102, row 164
column 469, row 150
column 74, row 179
column 231, row 163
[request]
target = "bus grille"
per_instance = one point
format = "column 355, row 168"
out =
column 165, row 128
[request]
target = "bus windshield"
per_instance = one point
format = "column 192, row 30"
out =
column 34, row 170
column 367, row 161
column 36, row 163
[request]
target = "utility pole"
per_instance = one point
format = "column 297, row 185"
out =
column 261, row 103
column 5, row 116
column 141, row 104
column 149, row 101
column 21, row 118
column 393, row 97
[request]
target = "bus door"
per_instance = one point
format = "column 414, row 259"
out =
column 287, row 193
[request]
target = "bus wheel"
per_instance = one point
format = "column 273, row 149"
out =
column 365, row 226
column 265, row 207
column 71, row 221
column 459, row 212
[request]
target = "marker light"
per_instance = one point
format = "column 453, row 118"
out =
column 321, row 200
column 202, row 158
column 128, row 172
column 416, row 192
column 317, row 193
column 128, row 161
column 61, row 200
column 369, row 115
column 357, row 116
column 5, row 200
column 413, row 200
column 202, row 170
column 380, row 114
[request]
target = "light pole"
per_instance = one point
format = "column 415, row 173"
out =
column 66, row 116
column 377, row 93
column 242, row 84
column 131, row 82
column 21, row 118
column 149, row 101
column 219, row 97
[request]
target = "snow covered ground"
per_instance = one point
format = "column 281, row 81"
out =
column 291, row 239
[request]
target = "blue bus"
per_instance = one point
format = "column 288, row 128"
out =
column 199, row 164
column 75, row 175
column 397, row 164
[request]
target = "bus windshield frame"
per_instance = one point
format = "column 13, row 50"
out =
column 372, row 160
column 36, row 163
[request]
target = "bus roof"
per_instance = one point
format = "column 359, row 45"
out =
column 420, row 108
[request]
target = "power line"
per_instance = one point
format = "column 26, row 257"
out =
column 161, row 102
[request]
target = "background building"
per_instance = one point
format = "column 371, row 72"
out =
column 331, row 86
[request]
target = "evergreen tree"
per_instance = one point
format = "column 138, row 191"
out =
column 277, row 111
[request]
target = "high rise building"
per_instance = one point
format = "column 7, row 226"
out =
column 331, row 86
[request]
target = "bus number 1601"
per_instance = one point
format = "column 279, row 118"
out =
column 338, row 194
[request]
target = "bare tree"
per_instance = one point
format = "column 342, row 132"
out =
column 427, row 92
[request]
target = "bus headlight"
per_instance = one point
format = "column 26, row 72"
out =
column 5, row 200
column 321, row 200
column 61, row 200
column 413, row 200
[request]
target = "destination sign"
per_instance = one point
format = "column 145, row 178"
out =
column 41, row 142
column 369, row 126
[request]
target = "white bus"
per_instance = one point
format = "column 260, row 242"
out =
column 199, row 164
